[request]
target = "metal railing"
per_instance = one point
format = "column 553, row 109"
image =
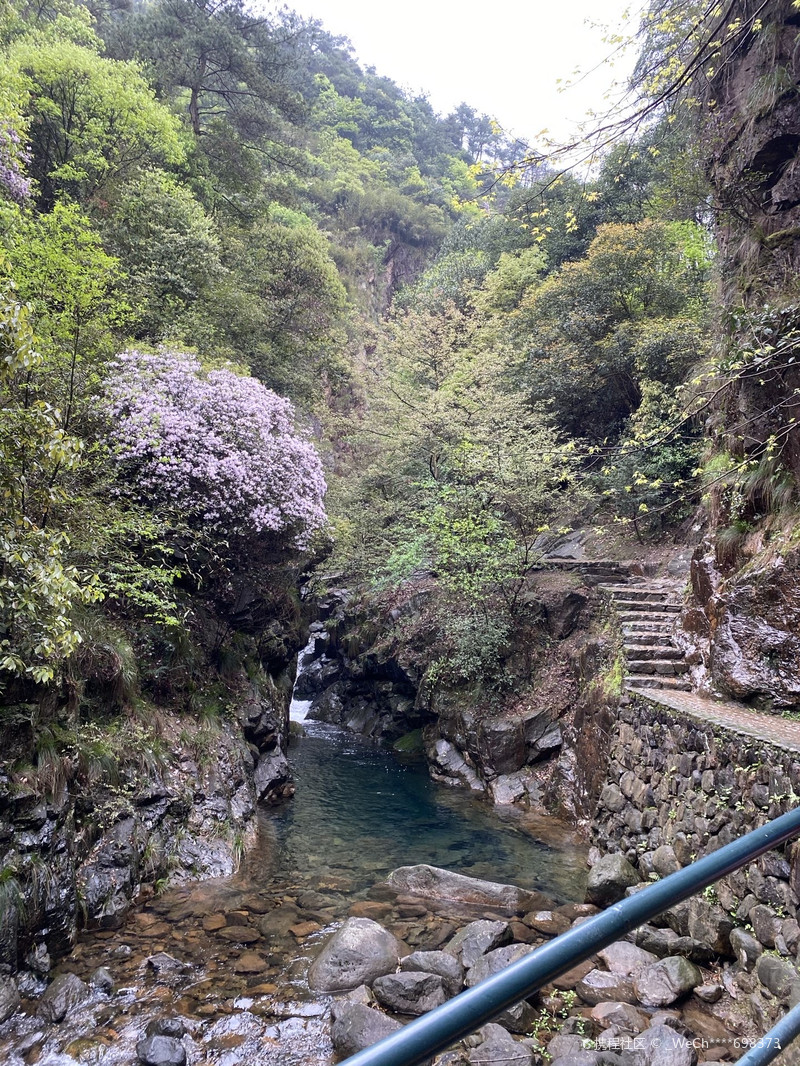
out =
column 435, row 1031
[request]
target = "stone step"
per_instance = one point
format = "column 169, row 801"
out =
column 669, row 667
column 652, row 651
column 631, row 592
column 627, row 617
column 654, row 606
column 679, row 684
column 659, row 628
column 648, row 637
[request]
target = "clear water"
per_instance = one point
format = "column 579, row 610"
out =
column 361, row 810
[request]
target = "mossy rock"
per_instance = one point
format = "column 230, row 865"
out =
column 409, row 742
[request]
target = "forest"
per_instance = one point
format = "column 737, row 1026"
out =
column 237, row 267
column 308, row 393
column 272, row 327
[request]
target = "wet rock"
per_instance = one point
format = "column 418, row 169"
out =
column 168, row 1026
column 38, row 960
column 410, row 992
column 249, row 962
column 599, row 985
column 369, row 908
column 711, row 992
column 507, row 789
column 431, row 882
column 164, row 964
column 551, row 923
column 213, row 922
column 64, row 995
column 9, row 998
column 476, row 939
column 272, row 777
column 102, row 980
column 621, row 1015
column 239, row 934
column 356, row 1026
column 161, row 1051
column 660, row 1045
column 437, row 962
column 666, row 981
column 609, row 878
column 358, row 952
column 498, row 1048
column 449, row 766
column 279, row 921
column 624, row 958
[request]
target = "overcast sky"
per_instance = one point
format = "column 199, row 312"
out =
column 502, row 58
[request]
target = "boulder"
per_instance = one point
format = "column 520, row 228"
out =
column 448, row 765
column 778, row 975
column 520, row 1017
column 431, row 882
column 624, row 958
column 551, row 923
column 272, row 776
column 161, row 1051
column 660, row 1045
column 502, row 744
column 169, row 1025
column 438, row 962
column 9, row 998
column 598, row 986
column 498, row 1047
column 102, row 980
column 357, row 1026
column 622, row 1016
column 356, row 954
column 608, row 880
column 666, row 981
column 476, row 939
column 711, row 925
column 665, row 861
column 412, row 992
column 64, row 995
column 746, row 948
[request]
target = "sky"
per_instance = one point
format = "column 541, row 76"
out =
column 502, row 58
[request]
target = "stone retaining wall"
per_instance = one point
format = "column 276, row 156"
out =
column 678, row 788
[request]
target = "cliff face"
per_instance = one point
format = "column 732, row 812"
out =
column 79, row 852
column 744, row 618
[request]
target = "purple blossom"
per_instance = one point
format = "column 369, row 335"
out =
column 13, row 158
column 215, row 445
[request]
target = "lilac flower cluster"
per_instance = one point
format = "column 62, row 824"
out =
column 218, row 446
column 13, row 157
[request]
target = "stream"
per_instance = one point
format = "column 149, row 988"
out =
column 231, row 955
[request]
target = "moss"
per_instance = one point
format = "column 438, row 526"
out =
column 410, row 742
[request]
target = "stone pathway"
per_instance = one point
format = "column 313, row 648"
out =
column 648, row 611
column 769, row 728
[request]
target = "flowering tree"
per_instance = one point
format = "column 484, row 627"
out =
column 220, row 448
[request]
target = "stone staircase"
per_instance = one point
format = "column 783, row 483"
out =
column 648, row 612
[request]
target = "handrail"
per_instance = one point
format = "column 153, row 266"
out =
column 426, row 1036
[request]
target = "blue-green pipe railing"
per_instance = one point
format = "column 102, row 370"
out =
column 433, row 1032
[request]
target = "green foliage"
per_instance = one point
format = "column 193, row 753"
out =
column 93, row 121
column 594, row 330
column 39, row 589
column 70, row 283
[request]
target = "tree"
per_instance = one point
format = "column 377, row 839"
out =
column 632, row 309
column 169, row 251
column 39, row 589
column 70, row 283
column 91, row 120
